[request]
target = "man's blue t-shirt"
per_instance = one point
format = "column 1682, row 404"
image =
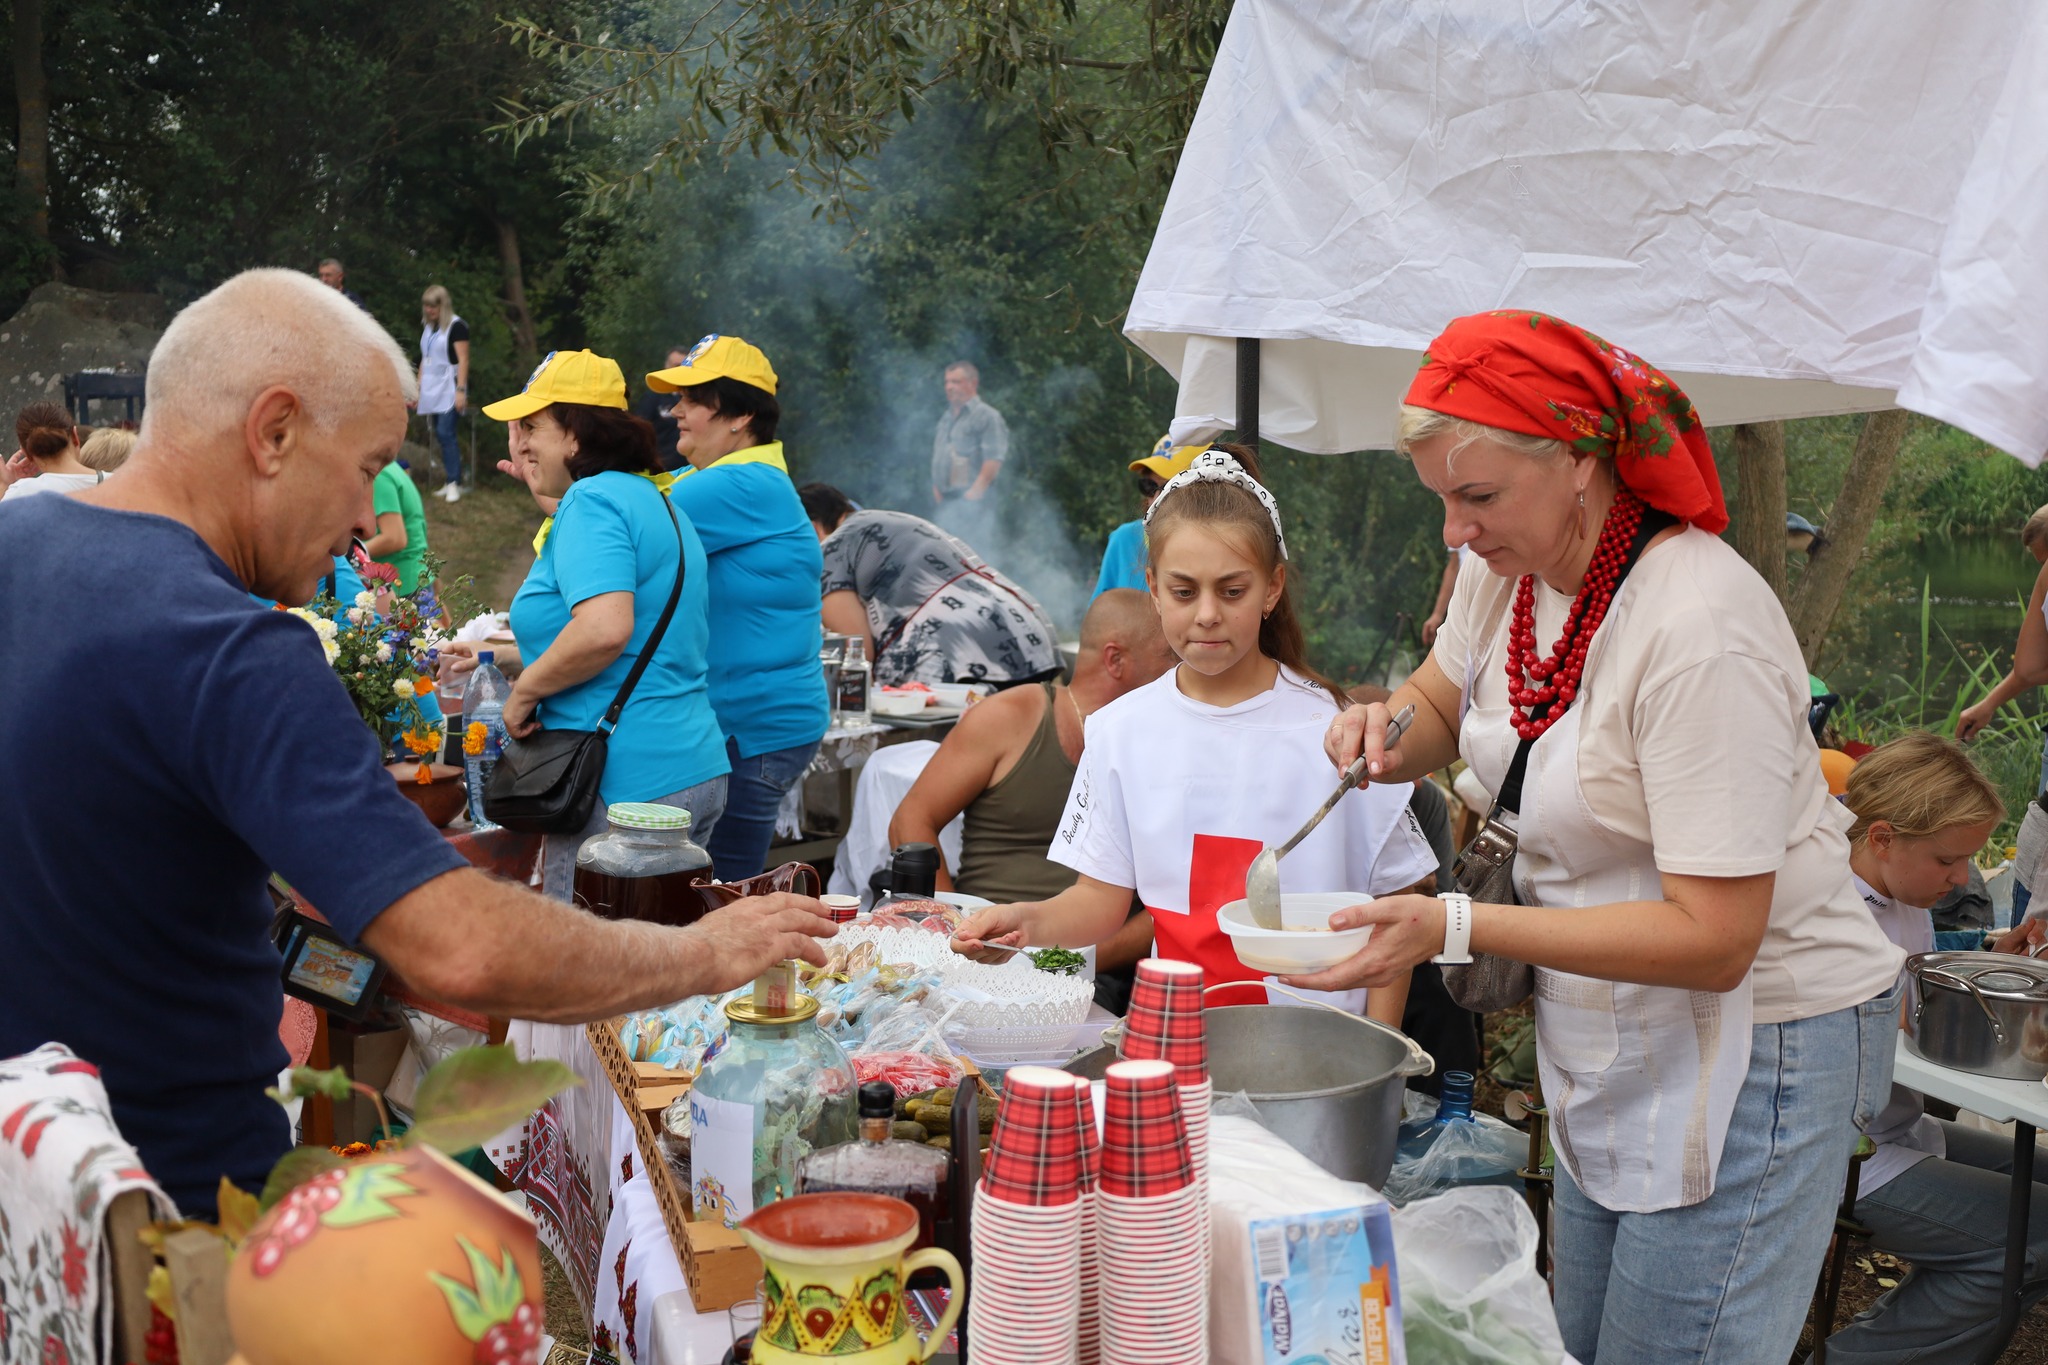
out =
column 209, row 744
column 766, row 685
column 613, row 534
column 1123, row 559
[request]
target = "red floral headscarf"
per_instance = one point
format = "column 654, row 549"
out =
column 1539, row 375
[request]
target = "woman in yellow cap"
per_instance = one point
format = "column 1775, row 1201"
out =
column 765, row 571
column 591, row 600
column 1123, row 559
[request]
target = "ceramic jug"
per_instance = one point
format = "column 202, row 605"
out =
column 834, row 1278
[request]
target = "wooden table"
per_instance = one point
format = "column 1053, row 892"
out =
column 2024, row 1104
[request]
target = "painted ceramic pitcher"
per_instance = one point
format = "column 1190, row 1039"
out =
column 834, row 1279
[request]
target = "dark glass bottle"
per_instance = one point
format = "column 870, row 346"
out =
column 876, row 1163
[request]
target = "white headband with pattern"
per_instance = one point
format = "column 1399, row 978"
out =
column 1220, row 466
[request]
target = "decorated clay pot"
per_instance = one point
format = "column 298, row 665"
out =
column 401, row 1256
column 833, row 1281
column 441, row 799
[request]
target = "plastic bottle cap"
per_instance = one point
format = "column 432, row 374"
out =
column 485, row 656
column 877, row 1100
column 647, row 815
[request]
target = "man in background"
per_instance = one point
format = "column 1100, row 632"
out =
column 1009, row 762
column 655, row 408
column 968, row 451
column 335, row 277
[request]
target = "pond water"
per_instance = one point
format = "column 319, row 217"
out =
column 1977, row 588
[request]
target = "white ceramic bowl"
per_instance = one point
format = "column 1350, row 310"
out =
column 956, row 694
column 1292, row 951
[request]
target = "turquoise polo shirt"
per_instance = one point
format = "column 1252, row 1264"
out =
column 1123, row 559
column 766, row 685
column 612, row 534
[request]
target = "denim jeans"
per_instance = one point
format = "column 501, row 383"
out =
column 1728, row 1279
column 1948, row 1219
column 451, row 453
column 752, row 796
column 705, row 802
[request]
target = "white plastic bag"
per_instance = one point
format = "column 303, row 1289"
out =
column 1470, row 1294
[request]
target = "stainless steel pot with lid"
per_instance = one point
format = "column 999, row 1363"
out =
column 1985, row 1013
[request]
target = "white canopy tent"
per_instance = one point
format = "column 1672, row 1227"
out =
column 1794, row 207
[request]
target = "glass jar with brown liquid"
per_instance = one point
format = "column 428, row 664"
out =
column 644, row 867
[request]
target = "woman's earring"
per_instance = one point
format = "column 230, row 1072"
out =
column 1582, row 514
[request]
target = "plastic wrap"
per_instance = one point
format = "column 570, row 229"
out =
column 1334, row 1294
column 1483, row 1150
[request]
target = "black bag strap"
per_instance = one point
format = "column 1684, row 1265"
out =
column 675, row 594
column 1510, row 798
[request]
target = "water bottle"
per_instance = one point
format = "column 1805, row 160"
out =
column 483, row 702
column 1456, row 1148
column 850, row 695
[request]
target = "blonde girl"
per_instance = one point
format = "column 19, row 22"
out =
column 1933, row 1192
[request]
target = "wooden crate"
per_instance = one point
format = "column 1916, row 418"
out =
column 719, row 1266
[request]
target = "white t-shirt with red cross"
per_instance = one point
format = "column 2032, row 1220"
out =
column 1175, row 798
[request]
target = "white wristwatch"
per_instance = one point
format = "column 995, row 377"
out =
column 1457, row 928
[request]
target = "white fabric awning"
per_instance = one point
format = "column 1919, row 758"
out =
column 1794, row 207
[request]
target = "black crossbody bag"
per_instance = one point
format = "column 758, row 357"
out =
column 1485, row 870
column 547, row 783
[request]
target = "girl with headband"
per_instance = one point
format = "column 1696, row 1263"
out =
column 1183, row 781
column 1715, row 1008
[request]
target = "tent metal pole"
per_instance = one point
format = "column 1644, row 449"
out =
column 1248, row 390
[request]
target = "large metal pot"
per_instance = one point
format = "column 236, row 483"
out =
column 1981, row 1012
column 1327, row 1082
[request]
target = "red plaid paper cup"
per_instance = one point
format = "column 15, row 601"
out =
column 1034, row 1155
column 1086, row 1138
column 1144, row 1141
column 1165, row 1018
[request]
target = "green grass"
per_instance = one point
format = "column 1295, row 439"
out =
column 2008, row 750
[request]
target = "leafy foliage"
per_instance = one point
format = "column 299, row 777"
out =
column 479, row 1092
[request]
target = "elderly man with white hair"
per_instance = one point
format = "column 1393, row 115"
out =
column 169, row 744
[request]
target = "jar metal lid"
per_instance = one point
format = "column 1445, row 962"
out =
column 647, row 815
column 745, row 1011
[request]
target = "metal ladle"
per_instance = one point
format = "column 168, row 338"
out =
column 1262, row 879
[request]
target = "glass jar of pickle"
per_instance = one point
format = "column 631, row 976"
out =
column 778, row 1090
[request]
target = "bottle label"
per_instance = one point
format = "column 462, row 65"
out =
column 1326, row 1288
column 721, row 1158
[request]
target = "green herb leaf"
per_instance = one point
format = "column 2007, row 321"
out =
column 478, row 1093
column 1058, row 961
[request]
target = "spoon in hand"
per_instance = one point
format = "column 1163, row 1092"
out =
column 1262, row 878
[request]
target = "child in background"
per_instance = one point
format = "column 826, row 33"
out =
column 1184, row 781
column 1933, row 1193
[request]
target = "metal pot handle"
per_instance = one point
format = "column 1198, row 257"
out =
column 1950, row 978
column 1419, row 1063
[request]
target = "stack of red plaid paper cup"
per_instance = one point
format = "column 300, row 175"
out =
column 1089, row 1342
column 1165, row 1024
column 1025, row 1308
column 1153, row 1220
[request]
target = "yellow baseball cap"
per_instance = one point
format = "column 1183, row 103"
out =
column 1167, row 460
column 564, row 377
column 716, row 357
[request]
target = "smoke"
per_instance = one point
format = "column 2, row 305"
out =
column 860, row 323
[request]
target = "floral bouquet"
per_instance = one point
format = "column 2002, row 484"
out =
column 382, row 645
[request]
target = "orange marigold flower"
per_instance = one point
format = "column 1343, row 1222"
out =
column 425, row 776
column 473, row 739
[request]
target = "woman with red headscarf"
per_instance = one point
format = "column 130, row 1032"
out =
column 1715, row 1008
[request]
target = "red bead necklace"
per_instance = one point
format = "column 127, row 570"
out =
column 1555, row 681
